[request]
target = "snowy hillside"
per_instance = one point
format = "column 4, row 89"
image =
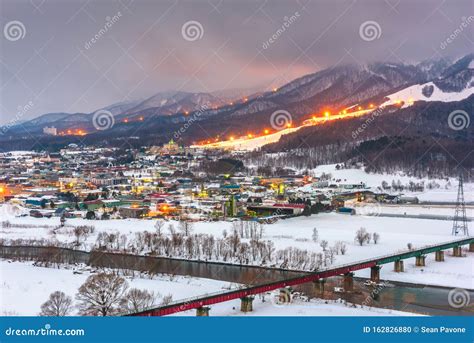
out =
column 426, row 92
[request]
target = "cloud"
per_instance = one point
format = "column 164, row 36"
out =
column 144, row 52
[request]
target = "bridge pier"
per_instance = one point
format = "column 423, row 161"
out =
column 246, row 304
column 457, row 252
column 319, row 286
column 349, row 282
column 202, row 311
column 399, row 266
column 471, row 247
column 439, row 256
column 375, row 273
column 420, row 261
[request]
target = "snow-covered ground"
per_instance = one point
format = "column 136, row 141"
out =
column 24, row 287
column 23, row 296
column 415, row 93
column 395, row 234
column 437, row 210
column 315, row 307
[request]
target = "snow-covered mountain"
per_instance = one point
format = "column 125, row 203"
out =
column 335, row 88
column 172, row 102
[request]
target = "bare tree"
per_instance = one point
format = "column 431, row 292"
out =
column 361, row 236
column 81, row 232
column 159, row 225
column 137, row 300
column 58, row 305
column 315, row 235
column 186, row 227
column 410, row 246
column 101, row 294
column 375, row 237
column 167, row 299
column 343, row 248
column 324, row 244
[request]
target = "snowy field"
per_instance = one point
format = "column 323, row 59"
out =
column 447, row 191
column 395, row 234
column 415, row 209
column 42, row 281
column 25, row 287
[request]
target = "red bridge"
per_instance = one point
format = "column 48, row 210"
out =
column 347, row 269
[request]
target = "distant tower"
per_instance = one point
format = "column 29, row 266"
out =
column 460, row 220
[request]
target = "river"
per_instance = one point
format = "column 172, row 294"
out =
column 422, row 299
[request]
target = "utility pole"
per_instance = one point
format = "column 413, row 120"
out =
column 460, row 220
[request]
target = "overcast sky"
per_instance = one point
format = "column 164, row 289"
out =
column 51, row 64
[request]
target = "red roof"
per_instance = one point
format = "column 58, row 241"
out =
column 160, row 195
